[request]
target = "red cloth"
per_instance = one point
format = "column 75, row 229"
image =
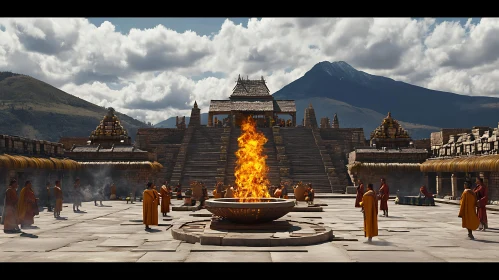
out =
column 482, row 194
column 425, row 192
column 360, row 193
column 384, row 195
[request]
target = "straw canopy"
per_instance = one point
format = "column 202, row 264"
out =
column 383, row 167
column 20, row 162
column 462, row 164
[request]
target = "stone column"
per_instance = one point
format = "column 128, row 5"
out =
column 210, row 119
column 439, row 183
column 427, row 180
column 293, row 119
column 453, row 180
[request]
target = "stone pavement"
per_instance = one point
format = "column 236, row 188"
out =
column 115, row 234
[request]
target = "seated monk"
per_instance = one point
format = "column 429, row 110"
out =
column 424, row 192
column 217, row 192
column 310, row 194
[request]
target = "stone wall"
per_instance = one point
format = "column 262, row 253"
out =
column 29, row 147
column 165, row 142
column 441, row 137
column 407, row 183
column 354, row 136
column 389, row 156
column 493, row 185
column 112, row 156
column 422, row 143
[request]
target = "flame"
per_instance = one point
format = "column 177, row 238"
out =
column 251, row 169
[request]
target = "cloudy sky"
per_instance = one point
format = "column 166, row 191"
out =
column 154, row 68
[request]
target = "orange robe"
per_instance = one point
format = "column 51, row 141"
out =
column 113, row 193
column 158, row 196
column 9, row 215
column 58, row 199
column 482, row 195
column 27, row 207
column 370, row 204
column 360, row 193
column 278, row 193
column 150, row 207
column 384, row 194
column 467, row 210
column 165, row 199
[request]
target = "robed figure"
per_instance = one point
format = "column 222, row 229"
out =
column 150, row 206
column 467, row 210
column 482, row 196
column 27, row 207
column 384, row 195
column 9, row 215
column 165, row 199
column 369, row 206
column 360, row 193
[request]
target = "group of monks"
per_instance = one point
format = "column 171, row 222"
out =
column 472, row 209
column 19, row 210
column 151, row 199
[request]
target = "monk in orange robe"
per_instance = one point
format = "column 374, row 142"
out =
column 482, row 195
column 157, row 194
column 467, row 210
column 165, row 199
column 425, row 192
column 58, row 199
column 384, row 195
column 9, row 215
column 217, row 192
column 112, row 196
column 369, row 206
column 150, row 206
column 27, row 207
column 360, row 193
column 278, row 192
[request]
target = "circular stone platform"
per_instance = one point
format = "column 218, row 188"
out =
column 271, row 234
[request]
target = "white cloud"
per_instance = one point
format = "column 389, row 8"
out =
column 153, row 74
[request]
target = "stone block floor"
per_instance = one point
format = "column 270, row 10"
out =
column 115, row 233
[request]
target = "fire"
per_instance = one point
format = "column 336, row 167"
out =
column 251, row 169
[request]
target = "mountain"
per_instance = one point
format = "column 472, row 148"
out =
column 34, row 109
column 172, row 121
column 340, row 82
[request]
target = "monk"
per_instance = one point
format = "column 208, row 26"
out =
column 482, row 195
column 284, row 190
column 424, row 192
column 112, row 196
column 9, row 214
column 58, row 199
column 178, row 191
column 278, row 192
column 27, row 207
column 150, row 206
column 49, row 202
column 229, row 193
column 467, row 210
column 77, row 196
column 360, row 193
column 310, row 194
column 157, row 193
column 384, row 195
column 165, row 199
column 369, row 206
column 217, row 192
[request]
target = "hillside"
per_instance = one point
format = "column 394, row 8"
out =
column 341, row 82
column 34, row 109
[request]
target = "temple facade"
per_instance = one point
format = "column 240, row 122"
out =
column 252, row 98
column 391, row 155
column 109, row 156
column 463, row 154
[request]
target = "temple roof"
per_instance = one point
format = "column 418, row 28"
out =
column 284, row 106
column 97, row 148
column 109, row 126
column 389, row 129
column 248, row 88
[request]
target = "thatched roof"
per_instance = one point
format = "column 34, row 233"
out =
column 375, row 166
column 20, row 162
column 228, row 105
column 154, row 166
column 462, row 164
column 245, row 88
column 285, row 106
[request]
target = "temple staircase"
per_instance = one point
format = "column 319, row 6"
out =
column 305, row 159
column 203, row 155
column 178, row 169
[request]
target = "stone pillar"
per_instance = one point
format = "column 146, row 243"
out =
column 439, row 183
column 293, row 118
column 453, row 180
column 196, row 116
column 210, row 119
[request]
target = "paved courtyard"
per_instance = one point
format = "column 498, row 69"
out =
column 114, row 233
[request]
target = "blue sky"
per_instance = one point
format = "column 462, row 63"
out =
column 202, row 26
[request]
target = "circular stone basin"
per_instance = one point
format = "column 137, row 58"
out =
column 249, row 210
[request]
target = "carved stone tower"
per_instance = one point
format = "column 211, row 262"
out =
column 335, row 124
column 390, row 134
column 325, row 122
column 110, row 132
column 310, row 120
column 195, row 115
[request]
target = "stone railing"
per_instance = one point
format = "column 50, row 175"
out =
column 224, row 149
